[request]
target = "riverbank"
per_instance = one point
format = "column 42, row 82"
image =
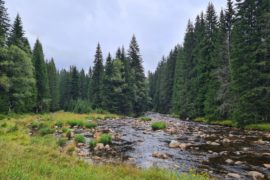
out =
column 231, row 123
column 30, row 148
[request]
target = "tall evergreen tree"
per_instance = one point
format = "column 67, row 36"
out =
column 98, row 75
column 74, row 86
column 4, row 24
column 43, row 93
column 137, row 77
column 53, row 80
column 107, row 84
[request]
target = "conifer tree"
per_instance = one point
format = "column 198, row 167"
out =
column 74, row 86
column 43, row 93
column 107, row 84
column 137, row 78
column 97, row 79
column 4, row 24
column 53, row 80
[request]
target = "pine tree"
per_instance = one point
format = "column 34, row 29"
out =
column 83, row 86
column 4, row 24
column 53, row 80
column 43, row 93
column 107, row 84
column 22, row 82
column 74, row 86
column 65, row 88
column 98, row 75
column 137, row 78
column 4, row 80
column 250, row 62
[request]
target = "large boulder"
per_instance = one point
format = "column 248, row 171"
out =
column 255, row 175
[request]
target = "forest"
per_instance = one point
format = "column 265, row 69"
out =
column 203, row 113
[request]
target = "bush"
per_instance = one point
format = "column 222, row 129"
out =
column 92, row 143
column 2, row 117
column 75, row 123
column 90, row 125
column 59, row 124
column 105, row 139
column 79, row 138
column 145, row 119
column 62, row 142
column 158, row 125
column 45, row 130
column 4, row 125
column 38, row 125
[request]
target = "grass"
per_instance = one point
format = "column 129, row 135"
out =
column 92, row 143
column 261, row 127
column 79, row 138
column 90, row 125
column 38, row 157
column 146, row 119
column 158, row 125
column 105, row 139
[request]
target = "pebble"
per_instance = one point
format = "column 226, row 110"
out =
column 174, row 144
column 233, row 175
column 160, row 155
column 229, row 161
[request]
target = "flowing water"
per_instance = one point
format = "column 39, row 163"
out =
column 214, row 149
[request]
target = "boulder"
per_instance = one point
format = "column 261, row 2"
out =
column 267, row 166
column 233, row 175
column 97, row 158
column 99, row 147
column 255, row 175
column 226, row 140
column 184, row 146
column 214, row 144
column 83, row 154
column 229, row 161
column 107, row 147
column 80, row 144
column 171, row 130
column 239, row 162
column 174, row 144
column 160, row 155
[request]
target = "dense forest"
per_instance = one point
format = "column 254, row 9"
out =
column 30, row 83
column 221, row 71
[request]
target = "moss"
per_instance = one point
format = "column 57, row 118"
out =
column 145, row 119
column 105, row 139
column 79, row 138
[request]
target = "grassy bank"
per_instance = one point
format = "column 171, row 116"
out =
column 39, row 157
column 228, row 122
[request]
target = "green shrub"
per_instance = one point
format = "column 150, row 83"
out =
column 158, row 125
column 79, row 138
column 59, row 124
column 38, row 125
column 90, row 125
column 73, row 123
column 145, row 119
column 92, row 143
column 65, row 130
column 79, row 106
column 68, row 133
column 45, row 130
column 2, row 117
column 62, row 142
column 105, row 139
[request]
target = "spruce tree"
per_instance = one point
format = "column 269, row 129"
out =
column 139, row 93
column 4, row 24
column 53, row 80
column 43, row 93
column 107, row 84
column 74, row 86
column 97, row 79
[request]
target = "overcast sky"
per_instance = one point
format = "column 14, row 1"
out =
column 70, row 29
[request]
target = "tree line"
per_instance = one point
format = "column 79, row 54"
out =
column 222, row 70
column 30, row 83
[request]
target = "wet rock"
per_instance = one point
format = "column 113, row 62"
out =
column 255, row 175
column 223, row 153
column 267, row 166
column 99, row 147
column 214, row 144
column 80, row 144
column 245, row 149
column 174, row 144
column 171, row 130
column 239, row 162
column 238, row 153
column 233, row 175
column 107, row 147
column 184, row 146
column 78, row 131
column 160, row 155
column 226, row 140
column 266, row 154
column 229, row 161
column 260, row 141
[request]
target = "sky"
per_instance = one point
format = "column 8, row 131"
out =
column 70, row 29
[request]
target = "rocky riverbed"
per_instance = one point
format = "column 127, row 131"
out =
column 222, row 152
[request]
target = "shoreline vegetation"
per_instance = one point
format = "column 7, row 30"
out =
column 33, row 156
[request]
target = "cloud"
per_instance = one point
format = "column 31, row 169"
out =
column 70, row 30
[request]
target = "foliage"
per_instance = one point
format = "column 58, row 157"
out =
column 79, row 138
column 145, row 119
column 158, row 125
column 90, row 125
column 105, row 139
column 45, row 130
column 61, row 142
column 73, row 123
column 92, row 143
